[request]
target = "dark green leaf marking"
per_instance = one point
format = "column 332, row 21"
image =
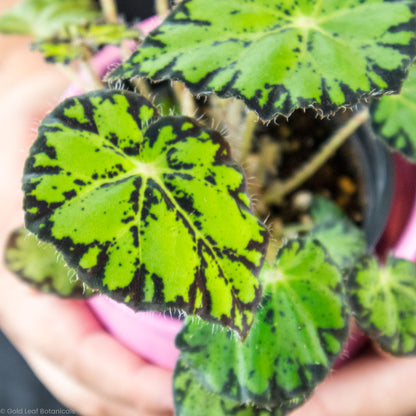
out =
column 45, row 18
column 344, row 241
column 279, row 55
column 384, row 302
column 298, row 332
column 191, row 399
column 41, row 266
column 394, row 117
column 81, row 38
column 152, row 213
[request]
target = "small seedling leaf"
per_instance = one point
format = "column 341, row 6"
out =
column 43, row 19
column 384, row 302
column 191, row 398
column 344, row 240
column 80, row 39
column 279, row 55
column 57, row 51
column 151, row 212
column 41, row 266
column 299, row 330
column 322, row 210
column 394, row 117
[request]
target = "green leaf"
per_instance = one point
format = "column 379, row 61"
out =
column 155, row 215
column 82, row 38
column 299, row 330
column 57, row 51
column 384, row 302
column 45, row 18
column 279, row 55
column 322, row 210
column 344, row 240
column 394, row 117
column 40, row 265
column 107, row 34
column 191, row 398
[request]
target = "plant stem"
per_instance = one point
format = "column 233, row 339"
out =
column 248, row 132
column 73, row 76
column 296, row 228
column 185, row 99
column 142, row 87
column 162, row 7
column 281, row 188
column 85, row 63
column 109, row 9
column 229, row 115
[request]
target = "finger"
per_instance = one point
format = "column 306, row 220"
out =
column 66, row 332
column 368, row 386
column 101, row 362
column 74, row 395
column 46, row 323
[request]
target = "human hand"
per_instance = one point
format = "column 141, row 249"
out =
column 374, row 384
column 78, row 361
column 82, row 365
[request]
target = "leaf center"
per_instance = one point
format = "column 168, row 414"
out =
column 272, row 276
column 147, row 169
column 305, row 22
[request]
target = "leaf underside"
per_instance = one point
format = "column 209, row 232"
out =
column 279, row 55
column 191, row 398
column 146, row 210
column 45, row 18
column 82, row 38
column 298, row 332
column 394, row 118
column 40, row 265
column 384, row 302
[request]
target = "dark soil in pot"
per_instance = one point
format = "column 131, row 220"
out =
column 359, row 178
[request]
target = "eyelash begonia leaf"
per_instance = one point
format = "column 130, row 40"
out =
column 41, row 266
column 344, row 240
column 394, row 117
column 383, row 299
column 279, row 55
column 152, row 212
column 299, row 330
column 45, row 18
column 79, row 38
column 191, row 398
column 322, row 209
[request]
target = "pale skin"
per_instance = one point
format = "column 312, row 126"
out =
column 82, row 365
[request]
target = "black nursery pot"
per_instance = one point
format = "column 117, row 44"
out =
column 376, row 169
column 136, row 9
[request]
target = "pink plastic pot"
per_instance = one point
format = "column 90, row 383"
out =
column 151, row 335
column 406, row 246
